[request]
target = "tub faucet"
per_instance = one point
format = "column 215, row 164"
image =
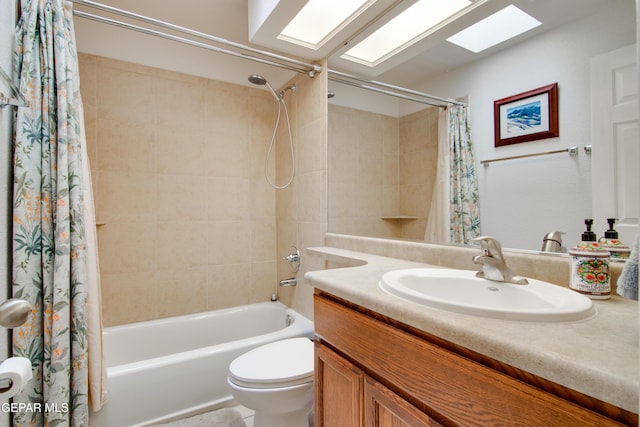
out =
column 494, row 266
column 288, row 282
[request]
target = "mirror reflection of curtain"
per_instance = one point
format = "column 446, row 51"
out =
column 454, row 216
column 439, row 219
column 55, row 264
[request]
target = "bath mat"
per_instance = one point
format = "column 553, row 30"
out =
column 226, row 417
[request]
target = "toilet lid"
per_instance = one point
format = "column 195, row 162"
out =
column 277, row 364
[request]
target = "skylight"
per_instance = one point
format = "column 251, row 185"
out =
column 409, row 26
column 502, row 25
column 318, row 20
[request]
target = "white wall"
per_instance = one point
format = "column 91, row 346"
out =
column 521, row 200
column 7, row 24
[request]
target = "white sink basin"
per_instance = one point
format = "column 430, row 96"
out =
column 460, row 291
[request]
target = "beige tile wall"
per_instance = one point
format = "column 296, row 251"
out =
column 302, row 207
column 380, row 166
column 418, row 161
column 177, row 162
column 363, row 168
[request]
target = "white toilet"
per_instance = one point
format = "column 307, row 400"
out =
column 276, row 381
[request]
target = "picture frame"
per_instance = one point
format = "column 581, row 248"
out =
column 527, row 116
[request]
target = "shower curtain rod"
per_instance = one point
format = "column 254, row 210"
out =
column 386, row 92
column 273, row 59
column 388, row 89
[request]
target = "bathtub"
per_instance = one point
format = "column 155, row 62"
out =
column 163, row 369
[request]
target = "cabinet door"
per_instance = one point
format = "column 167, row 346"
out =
column 338, row 390
column 384, row 408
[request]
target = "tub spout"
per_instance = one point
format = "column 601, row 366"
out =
column 288, row 282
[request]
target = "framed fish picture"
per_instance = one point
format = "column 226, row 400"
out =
column 527, row 116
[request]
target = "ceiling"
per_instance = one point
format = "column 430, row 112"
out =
column 446, row 56
column 228, row 19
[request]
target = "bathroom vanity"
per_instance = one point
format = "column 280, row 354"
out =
column 382, row 361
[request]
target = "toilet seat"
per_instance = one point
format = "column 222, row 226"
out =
column 278, row 364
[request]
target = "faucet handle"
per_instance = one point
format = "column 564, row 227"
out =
column 494, row 266
column 293, row 258
column 490, row 246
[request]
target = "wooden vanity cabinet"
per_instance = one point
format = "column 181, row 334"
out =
column 370, row 371
column 339, row 389
column 350, row 398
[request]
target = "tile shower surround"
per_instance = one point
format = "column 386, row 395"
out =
column 189, row 223
column 381, row 166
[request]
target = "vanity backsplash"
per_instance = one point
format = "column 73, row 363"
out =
column 542, row 266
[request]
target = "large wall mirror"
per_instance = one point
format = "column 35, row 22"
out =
column 382, row 151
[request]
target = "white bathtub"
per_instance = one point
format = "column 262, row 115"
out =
column 162, row 369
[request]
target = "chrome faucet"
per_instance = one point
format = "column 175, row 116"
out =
column 494, row 266
column 552, row 242
column 292, row 281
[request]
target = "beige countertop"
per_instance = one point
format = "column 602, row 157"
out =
column 597, row 356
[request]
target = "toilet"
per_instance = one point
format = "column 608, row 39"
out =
column 276, row 381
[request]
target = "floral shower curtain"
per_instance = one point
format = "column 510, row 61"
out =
column 454, row 216
column 54, row 243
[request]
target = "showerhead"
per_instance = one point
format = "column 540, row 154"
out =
column 257, row 79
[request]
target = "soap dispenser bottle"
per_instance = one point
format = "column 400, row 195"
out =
column 590, row 266
column 609, row 242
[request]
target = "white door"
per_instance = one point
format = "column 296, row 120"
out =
column 615, row 141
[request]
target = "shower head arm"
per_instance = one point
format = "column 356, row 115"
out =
column 292, row 88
